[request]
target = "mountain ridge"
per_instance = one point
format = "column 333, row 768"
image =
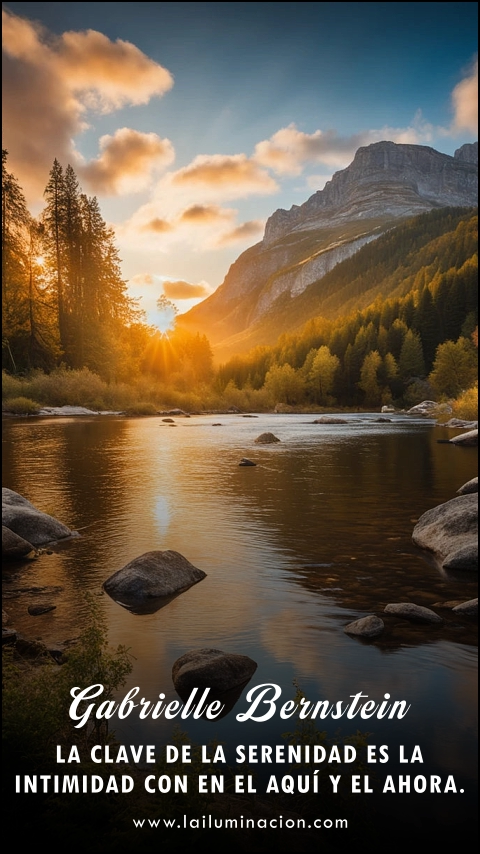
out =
column 385, row 184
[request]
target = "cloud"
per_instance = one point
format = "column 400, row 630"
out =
column 110, row 74
column 50, row 82
column 465, row 102
column 141, row 279
column 233, row 175
column 289, row 150
column 185, row 290
column 205, row 214
column 127, row 161
column 157, row 225
column 246, row 231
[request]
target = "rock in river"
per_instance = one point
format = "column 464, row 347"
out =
column 367, row 627
column 266, row 439
column 21, row 517
column 450, row 531
column 469, row 487
column 416, row 613
column 14, row 546
column 153, row 575
column 211, row 668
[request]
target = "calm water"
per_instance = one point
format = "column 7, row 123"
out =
column 317, row 534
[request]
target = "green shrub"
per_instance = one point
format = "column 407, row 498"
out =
column 21, row 406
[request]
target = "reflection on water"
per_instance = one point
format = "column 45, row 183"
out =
column 316, row 534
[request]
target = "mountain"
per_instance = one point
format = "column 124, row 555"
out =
column 385, row 184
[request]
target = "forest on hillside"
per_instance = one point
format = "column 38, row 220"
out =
column 398, row 321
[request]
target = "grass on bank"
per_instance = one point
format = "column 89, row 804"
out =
column 65, row 387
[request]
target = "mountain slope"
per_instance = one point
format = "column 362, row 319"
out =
column 385, row 184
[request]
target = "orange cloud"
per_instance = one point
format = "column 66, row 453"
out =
column 465, row 102
column 113, row 73
column 49, row 83
column 127, row 161
column 205, row 214
column 289, row 149
column 157, row 225
column 184, row 290
column 246, row 231
column 234, row 174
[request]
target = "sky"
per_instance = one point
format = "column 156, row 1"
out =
column 193, row 122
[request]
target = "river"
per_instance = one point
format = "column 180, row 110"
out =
column 317, row 534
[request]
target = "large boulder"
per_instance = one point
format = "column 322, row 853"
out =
column 211, row 668
column 153, row 575
column 450, row 531
column 466, row 440
column 14, row 546
column 21, row 517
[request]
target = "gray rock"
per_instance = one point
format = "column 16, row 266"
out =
column 211, row 668
column 266, row 439
column 14, row 499
column 245, row 462
column 153, row 575
column 469, row 608
column 450, row 531
column 367, row 627
column 426, row 407
column 459, row 422
column 329, row 419
column 32, row 525
column 469, row 487
column 466, row 440
column 416, row 613
column 168, row 420
column 14, row 546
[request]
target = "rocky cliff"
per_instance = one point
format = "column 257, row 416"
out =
column 384, row 184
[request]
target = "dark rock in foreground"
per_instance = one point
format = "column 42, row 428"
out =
column 450, row 531
column 416, row 613
column 37, row 610
column 245, row 462
column 14, row 546
column 211, row 668
column 367, row 627
column 153, row 575
column 21, row 517
column 266, row 439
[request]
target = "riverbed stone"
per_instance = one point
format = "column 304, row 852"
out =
column 366, row 627
column 410, row 611
column 469, row 608
column 37, row 610
column 330, row 419
column 266, row 439
column 469, row 487
column 14, row 546
column 26, row 521
column 246, row 462
column 153, row 575
column 466, row 440
column 32, row 525
column 211, row 668
column 450, row 531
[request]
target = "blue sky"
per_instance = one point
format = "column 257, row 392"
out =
column 193, row 122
